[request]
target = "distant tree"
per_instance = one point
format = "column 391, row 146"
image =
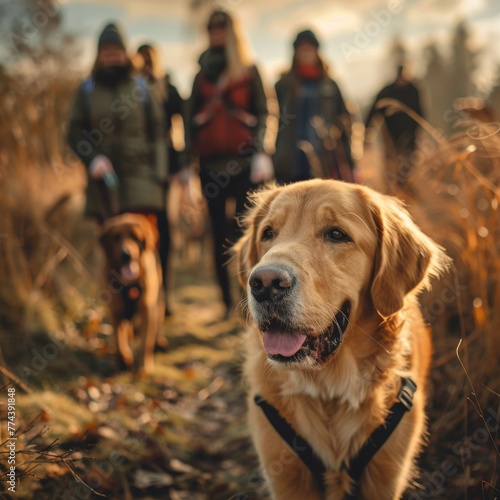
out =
column 33, row 32
column 436, row 83
column 447, row 81
column 494, row 97
column 463, row 62
column 38, row 83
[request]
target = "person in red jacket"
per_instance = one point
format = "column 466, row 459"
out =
column 225, row 127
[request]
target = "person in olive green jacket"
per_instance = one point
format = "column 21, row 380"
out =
column 314, row 128
column 117, row 129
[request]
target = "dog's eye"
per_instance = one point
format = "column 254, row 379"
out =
column 336, row 235
column 267, row 234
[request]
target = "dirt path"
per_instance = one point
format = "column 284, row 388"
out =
column 179, row 434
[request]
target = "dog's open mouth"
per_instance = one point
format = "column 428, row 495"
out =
column 284, row 344
column 130, row 272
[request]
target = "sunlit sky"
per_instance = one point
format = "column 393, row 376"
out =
column 355, row 34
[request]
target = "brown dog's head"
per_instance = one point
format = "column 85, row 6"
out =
column 317, row 255
column 124, row 239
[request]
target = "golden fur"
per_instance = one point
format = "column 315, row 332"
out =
column 135, row 236
column 336, row 403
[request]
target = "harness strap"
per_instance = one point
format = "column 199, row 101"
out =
column 298, row 444
column 130, row 295
column 381, row 434
column 355, row 469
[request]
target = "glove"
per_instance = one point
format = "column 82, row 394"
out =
column 100, row 166
column 183, row 176
column 261, row 168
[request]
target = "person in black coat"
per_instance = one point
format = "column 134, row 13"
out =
column 402, row 128
column 172, row 105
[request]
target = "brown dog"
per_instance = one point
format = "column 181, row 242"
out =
column 135, row 280
column 332, row 272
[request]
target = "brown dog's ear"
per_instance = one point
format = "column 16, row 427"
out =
column 245, row 249
column 106, row 235
column 151, row 234
column 406, row 258
column 145, row 229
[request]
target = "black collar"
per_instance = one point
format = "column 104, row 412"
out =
column 355, row 468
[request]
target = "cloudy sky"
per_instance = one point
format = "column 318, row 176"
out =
column 355, row 34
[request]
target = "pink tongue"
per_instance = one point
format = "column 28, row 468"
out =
column 130, row 271
column 286, row 344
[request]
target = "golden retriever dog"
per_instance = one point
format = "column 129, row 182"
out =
column 134, row 279
column 332, row 272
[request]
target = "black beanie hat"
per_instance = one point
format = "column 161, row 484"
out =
column 111, row 34
column 306, row 36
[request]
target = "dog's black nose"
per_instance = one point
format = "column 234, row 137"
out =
column 125, row 255
column 271, row 283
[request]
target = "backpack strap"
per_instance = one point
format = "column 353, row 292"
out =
column 87, row 85
column 86, row 88
column 146, row 104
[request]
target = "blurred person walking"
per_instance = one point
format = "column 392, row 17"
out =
column 225, row 128
column 116, row 127
column 401, row 129
column 172, row 103
column 314, row 126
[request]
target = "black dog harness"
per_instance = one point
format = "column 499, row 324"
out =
column 130, row 296
column 355, row 468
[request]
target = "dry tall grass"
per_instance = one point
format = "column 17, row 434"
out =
column 453, row 191
column 34, row 173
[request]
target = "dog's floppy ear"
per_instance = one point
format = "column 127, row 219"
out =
column 106, row 235
column 245, row 249
column 145, row 229
column 151, row 234
column 406, row 258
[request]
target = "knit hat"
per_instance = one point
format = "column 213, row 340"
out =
column 111, row 34
column 306, row 36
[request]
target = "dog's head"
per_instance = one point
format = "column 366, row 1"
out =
column 124, row 239
column 318, row 255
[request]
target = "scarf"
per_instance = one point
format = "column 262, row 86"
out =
column 309, row 72
column 213, row 63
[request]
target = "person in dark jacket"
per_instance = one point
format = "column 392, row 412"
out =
column 116, row 127
column 225, row 126
column 401, row 128
column 173, row 104
column 314, row 126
